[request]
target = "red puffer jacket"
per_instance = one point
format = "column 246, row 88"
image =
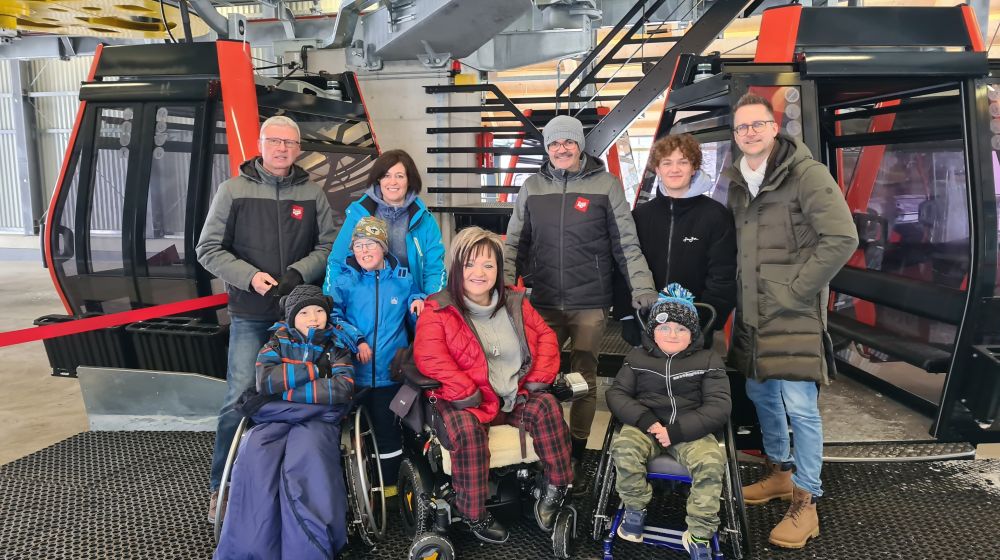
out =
column 447, row 350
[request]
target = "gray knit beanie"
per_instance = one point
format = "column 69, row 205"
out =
column 564, row 127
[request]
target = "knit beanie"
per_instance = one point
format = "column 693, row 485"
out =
column 675, row 304
column 304, row 295
column 564, row 127
column 372, row 228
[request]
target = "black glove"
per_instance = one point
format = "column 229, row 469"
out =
column 631, row 333
column 323, row 366
column 286, row 283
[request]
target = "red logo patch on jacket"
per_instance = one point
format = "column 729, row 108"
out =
column 581, row 204
column 297, row 211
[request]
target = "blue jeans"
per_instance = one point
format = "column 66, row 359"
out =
column 779, row 402
column 246, row 338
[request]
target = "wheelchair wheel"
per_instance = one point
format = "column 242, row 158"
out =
column 414, row 498
column 364, row 475
column 563, row 532
column 735, row 528
column 227, row 470
column 605, row 457
column 603, row 513
column 431, row 546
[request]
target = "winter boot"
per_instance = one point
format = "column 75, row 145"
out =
column 800, row 524
column 488, row 529
column 579, row 484
column 547, row 506
column 776, row 483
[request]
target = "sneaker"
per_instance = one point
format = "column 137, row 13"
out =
column 213, row 505
column 632, row 524
column 699, row 549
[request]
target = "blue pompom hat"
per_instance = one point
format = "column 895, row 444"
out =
column 676, row 305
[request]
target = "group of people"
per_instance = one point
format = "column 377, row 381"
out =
column 301, row 355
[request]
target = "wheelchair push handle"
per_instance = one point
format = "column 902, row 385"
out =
column 569, row 387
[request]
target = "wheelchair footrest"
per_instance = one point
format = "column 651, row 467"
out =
column 661, row 536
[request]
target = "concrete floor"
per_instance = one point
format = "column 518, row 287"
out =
column 37, row 409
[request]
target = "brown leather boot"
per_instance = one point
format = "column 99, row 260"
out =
column 800, row 524
column 777, row 483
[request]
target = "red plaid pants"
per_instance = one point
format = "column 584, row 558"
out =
column 470, row 460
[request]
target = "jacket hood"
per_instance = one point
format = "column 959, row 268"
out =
column 589, row 166
column 250, row 171
column 375, row 193
column 355, row 268
column 700, row 184
column 318, row 337
column 442, row 299
column 786, row 154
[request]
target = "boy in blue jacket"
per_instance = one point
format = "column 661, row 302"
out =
column 373, row 298
column 287, row 497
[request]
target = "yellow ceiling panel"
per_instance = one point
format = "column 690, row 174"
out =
column 134, row 19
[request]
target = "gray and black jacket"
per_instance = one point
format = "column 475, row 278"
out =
column 567, row 233
column 259, row 222
column 688, row 393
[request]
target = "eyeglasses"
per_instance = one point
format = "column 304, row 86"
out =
column 758, row 127
column 567, row 145
column 363, row 246
column 275, row 142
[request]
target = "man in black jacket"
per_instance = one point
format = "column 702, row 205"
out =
column 269, row 229
column 571, row 227
column 686, row 236
column 672, row 396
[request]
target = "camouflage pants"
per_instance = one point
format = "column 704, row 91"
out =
column 633, row 449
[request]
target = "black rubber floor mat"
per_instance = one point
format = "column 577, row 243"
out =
column 125, row 495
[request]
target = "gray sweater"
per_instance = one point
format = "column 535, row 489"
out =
column 500, row 344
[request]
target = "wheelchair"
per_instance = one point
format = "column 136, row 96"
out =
column 362, row 472
column 608, row 516
column 425, row 493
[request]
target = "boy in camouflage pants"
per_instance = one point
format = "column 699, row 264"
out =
column 672, row 395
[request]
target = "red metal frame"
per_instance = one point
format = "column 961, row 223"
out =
column 779, row 29
column 975, row 34
column 59, row 184
column 239, row 102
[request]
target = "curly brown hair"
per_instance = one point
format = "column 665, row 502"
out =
column 668, row 144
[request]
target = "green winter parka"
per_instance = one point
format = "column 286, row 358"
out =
column 793, row 237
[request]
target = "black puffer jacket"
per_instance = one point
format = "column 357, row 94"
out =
column 688, row 392
column 567, row 234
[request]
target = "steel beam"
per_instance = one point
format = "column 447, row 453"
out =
column 25, row 134
column 696, row 40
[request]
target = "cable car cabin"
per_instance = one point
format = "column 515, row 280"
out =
column 904, row 107
column 159, row 127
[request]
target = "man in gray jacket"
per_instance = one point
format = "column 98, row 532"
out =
column 795, row 232
column 571, row 226
column 268, row 230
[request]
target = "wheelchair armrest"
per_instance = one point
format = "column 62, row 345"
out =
column 413, row 376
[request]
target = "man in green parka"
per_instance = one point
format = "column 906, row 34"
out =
column 795, row 232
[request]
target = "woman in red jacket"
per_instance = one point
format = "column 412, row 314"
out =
column 495, row 357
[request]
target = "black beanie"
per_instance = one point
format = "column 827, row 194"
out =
column 302, row 296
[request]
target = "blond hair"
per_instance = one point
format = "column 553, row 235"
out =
column 465, row 246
